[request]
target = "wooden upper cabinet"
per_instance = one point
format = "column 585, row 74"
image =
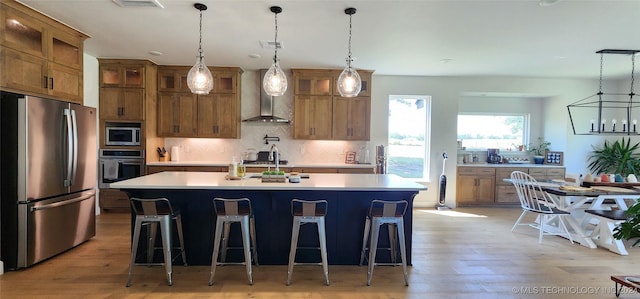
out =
column 218, row 116
column 351, row 118
column 173, row 79
column 43, row 56
column 177, row 114
column 23, row 32
column 121, row 75
column 321, row 113
column 316, row 82
column 121, row 103
column 225, row 81
column 312, row 117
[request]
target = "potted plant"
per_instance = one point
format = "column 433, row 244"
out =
column 539, row 150
column 630, row 228
column 619, row 157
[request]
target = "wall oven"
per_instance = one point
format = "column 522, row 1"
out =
column 120, row 164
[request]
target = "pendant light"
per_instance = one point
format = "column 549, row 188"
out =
column 599, row 113
column 349, row 82
column 275, row 81
column 199, row 78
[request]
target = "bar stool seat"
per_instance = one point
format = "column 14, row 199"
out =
column 230, row 211
column 150, row 213
column 390, row 213
column 305, row 212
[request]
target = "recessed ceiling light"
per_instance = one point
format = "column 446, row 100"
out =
column 446, row 60
column 255, row 55
column 548, row 2
column 155, row 53
column 138, row 3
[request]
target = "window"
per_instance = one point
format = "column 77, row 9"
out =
column 408, row 139
column 502, row 131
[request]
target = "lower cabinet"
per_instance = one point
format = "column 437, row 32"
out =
column 485, row 185
column 475, row 185
column 114, row 200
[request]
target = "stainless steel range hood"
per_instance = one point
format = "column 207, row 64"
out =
column 266, row 107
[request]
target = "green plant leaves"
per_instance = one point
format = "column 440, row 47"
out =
column 619, row 157
column 630, row 229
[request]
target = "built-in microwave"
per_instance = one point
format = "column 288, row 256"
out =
column 122, row 136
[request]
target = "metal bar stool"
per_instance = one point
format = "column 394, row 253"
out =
column 389, row 213
column 304, row 212
column 150, row 213
column 229, row 211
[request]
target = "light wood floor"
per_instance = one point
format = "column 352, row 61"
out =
column 467, row 253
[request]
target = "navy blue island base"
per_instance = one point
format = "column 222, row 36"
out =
column 272, row 209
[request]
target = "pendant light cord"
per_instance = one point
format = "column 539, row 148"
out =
column 633, row 66
column 275, row 42
column 349, row 57
column 200, row 40
column 601, row 63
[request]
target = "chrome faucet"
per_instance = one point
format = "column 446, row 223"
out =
column 274, row 155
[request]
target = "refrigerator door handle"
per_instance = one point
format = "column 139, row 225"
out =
column 75, row 147
column 60, row 203
column 67, row 116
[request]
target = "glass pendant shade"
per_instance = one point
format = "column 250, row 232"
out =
column 275, row 81
column 349, row 82
column 199, row 78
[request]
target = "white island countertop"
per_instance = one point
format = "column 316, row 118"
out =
column 288, row 165
column 316, row 181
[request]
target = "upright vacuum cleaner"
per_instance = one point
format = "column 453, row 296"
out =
column 443, row 186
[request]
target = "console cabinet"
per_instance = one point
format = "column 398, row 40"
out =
column 485, row 185
column 39, row 55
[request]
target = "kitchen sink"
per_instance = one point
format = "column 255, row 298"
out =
column 286, row 175
column 267, row 162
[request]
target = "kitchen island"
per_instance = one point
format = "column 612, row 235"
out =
column 348, row 196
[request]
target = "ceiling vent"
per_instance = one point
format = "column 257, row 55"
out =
column 265, row 44
column 138, row 3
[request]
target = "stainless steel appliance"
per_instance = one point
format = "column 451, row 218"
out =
column 48, row 177
column 117, row 135
column 120, row 164
column 381, row 159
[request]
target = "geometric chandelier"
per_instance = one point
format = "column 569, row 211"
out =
column 606, row 113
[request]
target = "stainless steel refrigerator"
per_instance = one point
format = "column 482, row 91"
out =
column 48, row 177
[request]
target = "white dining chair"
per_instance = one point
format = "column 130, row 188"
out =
column 551, row 220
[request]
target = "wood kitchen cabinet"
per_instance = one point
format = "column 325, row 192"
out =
column 177, row 114
column 216, row 115
column 312, row 117
column 114, row 200
column 124, row 88
column 505, row 191
column 351, row 118
column 475, row 185
column 321, row 113
column 39, row 55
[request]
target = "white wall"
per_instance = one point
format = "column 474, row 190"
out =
column 551, row 95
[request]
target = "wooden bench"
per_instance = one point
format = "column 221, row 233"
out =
column 602, row 234
column 623, row 281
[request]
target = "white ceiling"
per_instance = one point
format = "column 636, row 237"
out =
column 399, row 37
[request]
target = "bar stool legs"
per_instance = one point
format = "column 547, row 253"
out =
column 390, row 214
column 308, row 212
column 229, row 211
column 147, row 214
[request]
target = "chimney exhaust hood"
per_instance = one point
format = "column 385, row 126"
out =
column 266, row 107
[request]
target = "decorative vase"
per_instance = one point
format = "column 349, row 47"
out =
column 538, row 159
